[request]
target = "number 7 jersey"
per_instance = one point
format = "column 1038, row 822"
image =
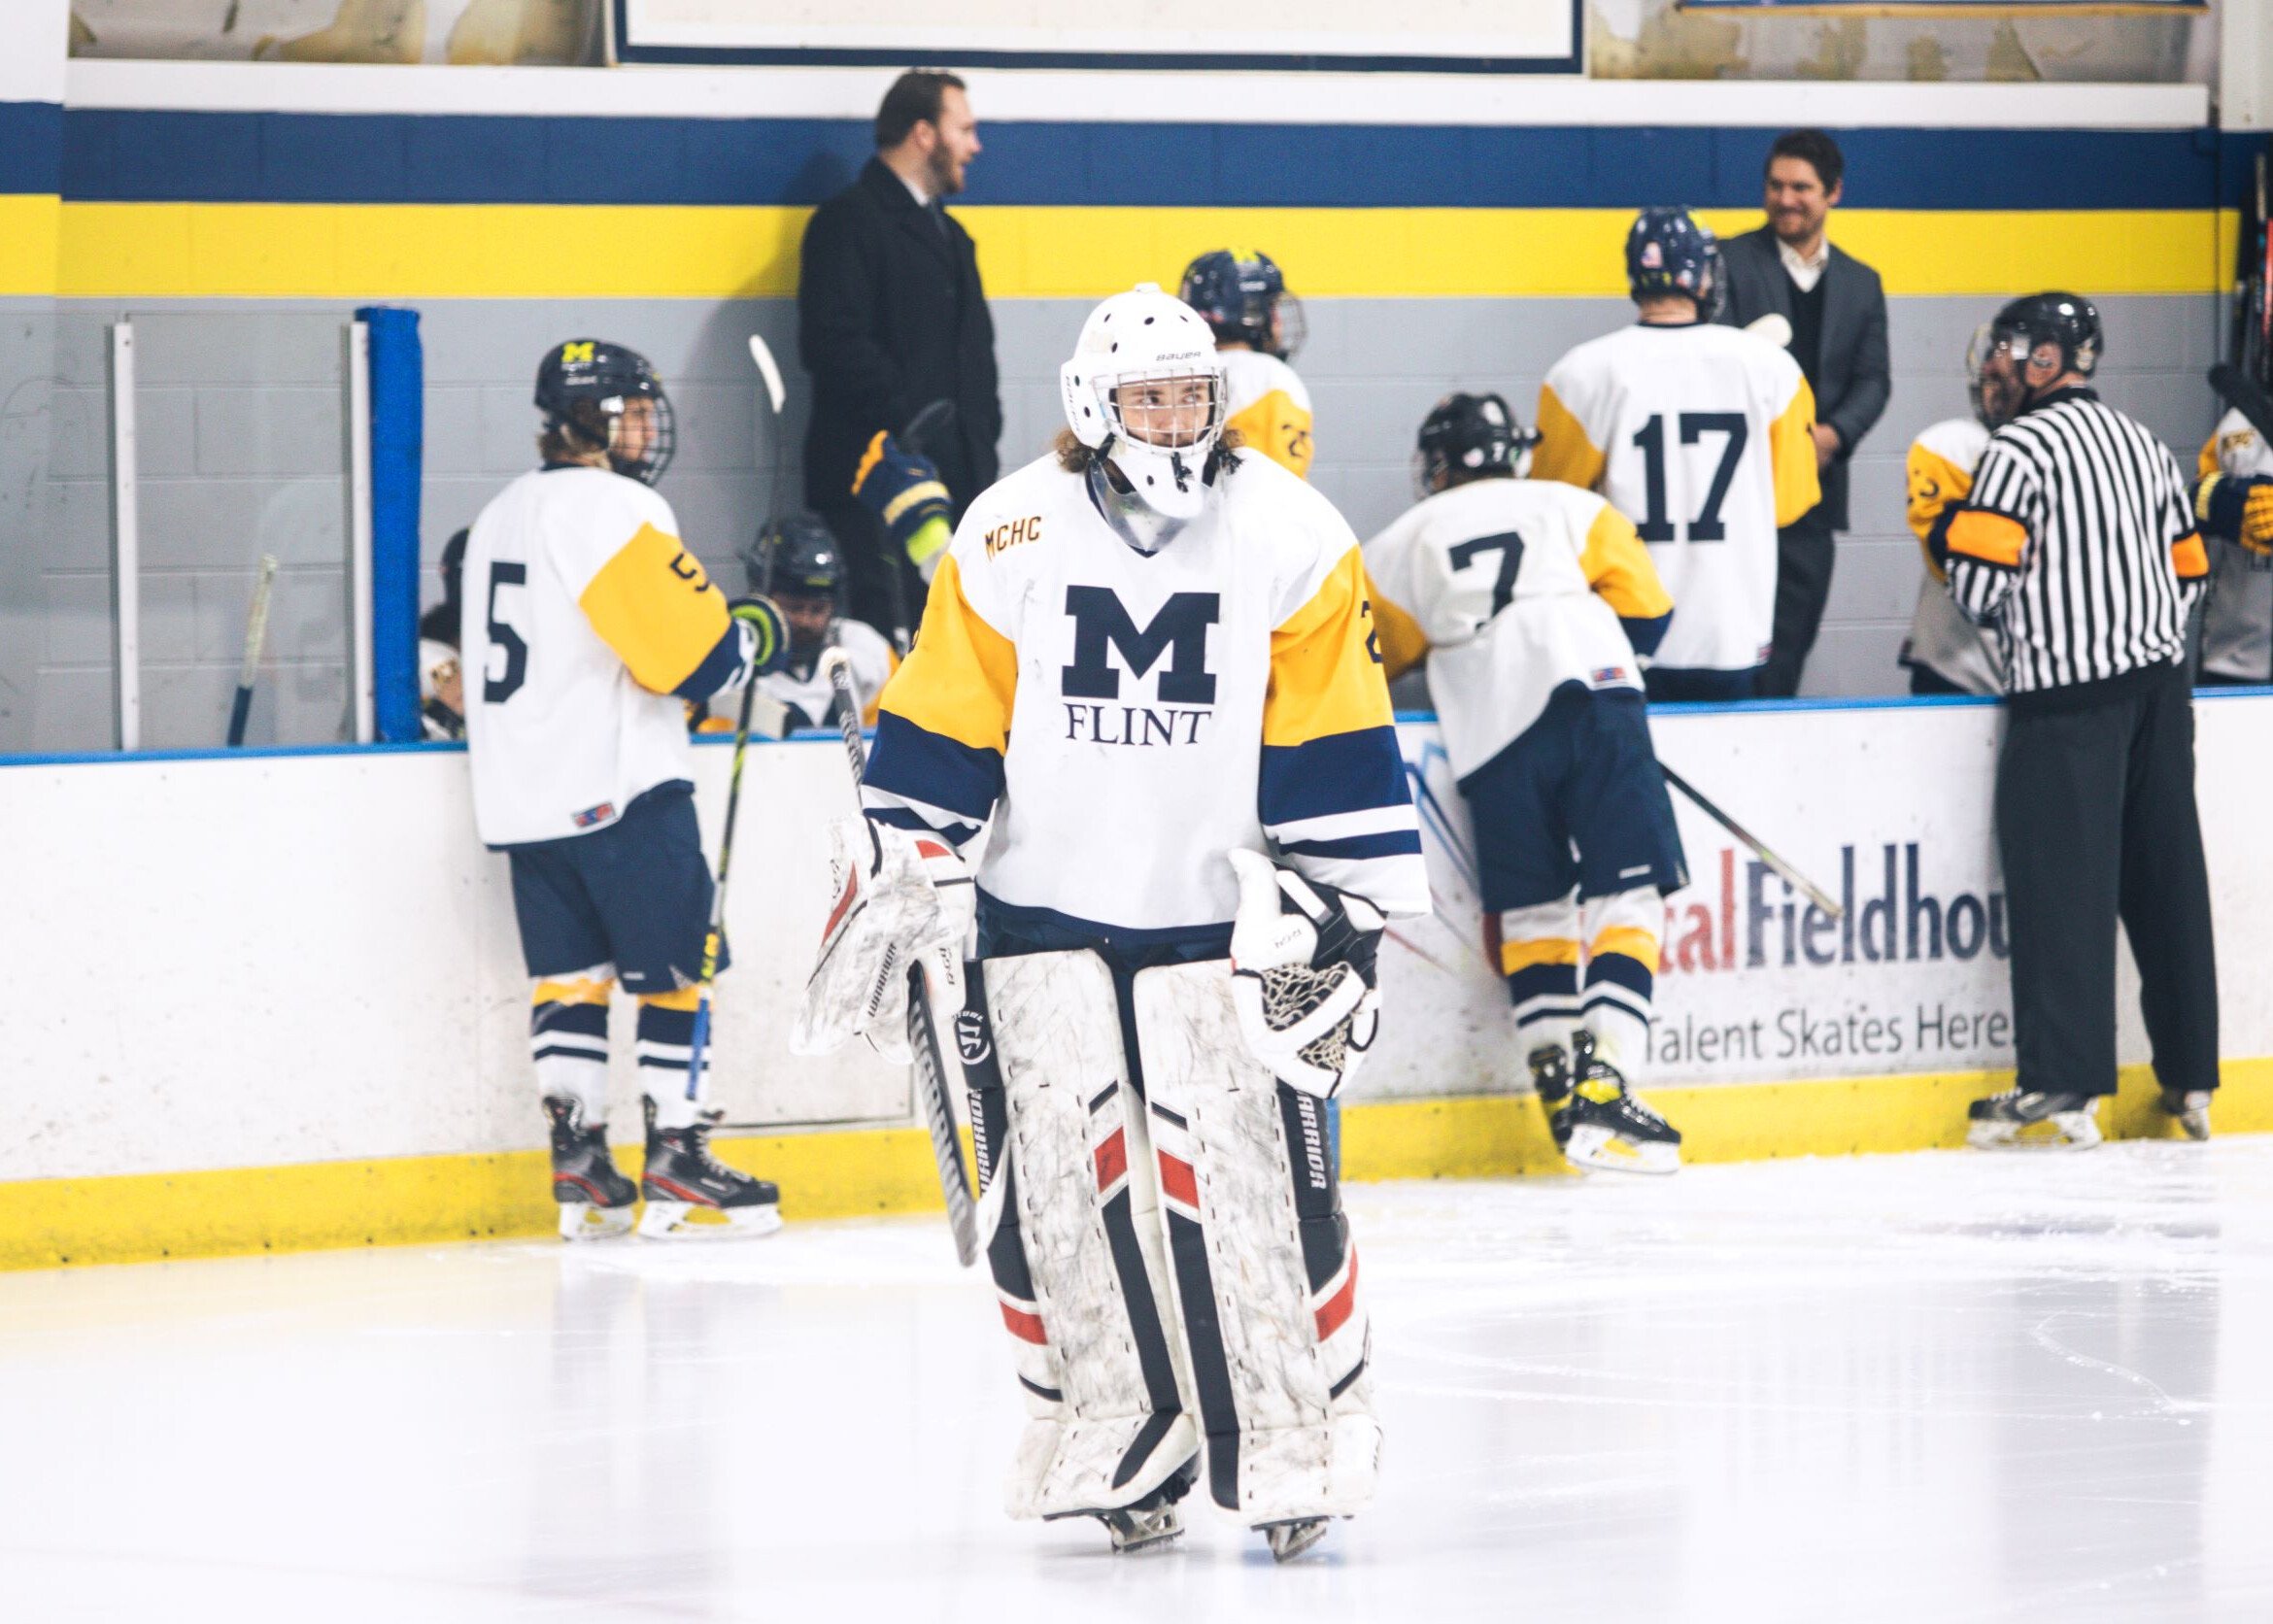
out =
column 1700, row 435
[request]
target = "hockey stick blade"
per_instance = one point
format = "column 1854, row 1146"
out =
column 770, row 371
column 1813, row 893
column 2236, row 388
column 256, row 635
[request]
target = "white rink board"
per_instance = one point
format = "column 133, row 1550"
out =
column 224, row 962
column 1840, row 793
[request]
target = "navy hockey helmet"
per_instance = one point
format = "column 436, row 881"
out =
column 2066, row 322
column 1667, row 252
column 795, row 556
column 1241, row 295
column 1466, row 437
column 587, row 387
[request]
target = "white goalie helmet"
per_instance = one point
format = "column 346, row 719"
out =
column 1145, row 390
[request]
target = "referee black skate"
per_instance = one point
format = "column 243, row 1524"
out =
column 2078, row 547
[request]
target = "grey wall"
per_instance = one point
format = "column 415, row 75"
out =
column 242, row 453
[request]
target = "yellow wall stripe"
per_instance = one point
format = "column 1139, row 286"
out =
column 516, row 250
column 865, row 1171
column 31, row 228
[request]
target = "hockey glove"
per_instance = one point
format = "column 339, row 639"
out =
column 900, row 896
column 2238, row 507
column 770, row 641
column 904, row 493
column 1302, row 974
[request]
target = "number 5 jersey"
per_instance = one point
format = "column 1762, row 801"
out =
column 1125, row 718
column 1700, row 435
column 588, row 626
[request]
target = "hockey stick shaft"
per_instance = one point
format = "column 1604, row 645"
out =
column 1813, row 893
column 923, row 1040
column 716, row 935
column 256, row 634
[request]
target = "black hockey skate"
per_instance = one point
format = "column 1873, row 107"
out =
column 1596, row 1120
column 1289, row 1540
column 2033, row 1120
column 694, row 1196
column 596, row 1201
column 1154, row 1519
column 2192, row 1107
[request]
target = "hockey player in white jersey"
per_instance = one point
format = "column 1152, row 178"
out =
column 1700, row 435
column 2234, row 502
column 1241, row 295
column 1945, row 652
column 1148, row 671
column 796, row 564
column 588, row 626
column 1531, row 601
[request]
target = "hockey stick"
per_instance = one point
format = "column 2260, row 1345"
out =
column 768, row 370
column 717, row 896
column 256, row 634
column 1815, row 893
column 923, row 1037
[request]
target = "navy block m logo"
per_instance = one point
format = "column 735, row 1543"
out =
column 1179, row 630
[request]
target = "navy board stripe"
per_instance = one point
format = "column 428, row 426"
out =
column 127, row 155
column 31, row 147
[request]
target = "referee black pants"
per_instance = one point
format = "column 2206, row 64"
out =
column 2096, row 823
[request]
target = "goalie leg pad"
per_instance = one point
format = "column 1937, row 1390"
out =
column 1265, row 1269
column 1068, row 1209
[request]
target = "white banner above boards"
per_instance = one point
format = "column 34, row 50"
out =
column 1455, row 36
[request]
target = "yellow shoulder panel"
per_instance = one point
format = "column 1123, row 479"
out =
column 876, row 699
column 652, row 605
column 1326, row 669
column 1564, row 453
column 962, row 676
column 1399, row 636
column 1792, row 455
column 1618, row 566
column 1279, row 429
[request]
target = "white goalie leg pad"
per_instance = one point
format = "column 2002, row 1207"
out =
column 1072, row 1231
column 1266, row 1276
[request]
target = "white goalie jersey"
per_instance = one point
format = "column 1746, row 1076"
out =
column 1700, row 435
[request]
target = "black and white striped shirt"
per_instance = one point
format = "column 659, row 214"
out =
column 2077, row 544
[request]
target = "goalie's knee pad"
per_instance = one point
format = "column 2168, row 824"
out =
column 1265, row 1270
column 1067, row 1210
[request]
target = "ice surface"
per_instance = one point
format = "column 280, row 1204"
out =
column 1944, row 1387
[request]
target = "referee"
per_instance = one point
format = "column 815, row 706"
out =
column 2078, row 547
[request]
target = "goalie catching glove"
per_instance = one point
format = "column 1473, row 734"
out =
column 904, row 492
column 899, row 897
column 1304, row 979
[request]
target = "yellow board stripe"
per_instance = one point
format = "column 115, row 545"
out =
column 512, row 251
column 861, row 1172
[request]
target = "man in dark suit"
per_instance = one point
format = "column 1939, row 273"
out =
column 891, row 316
column 1838, row 315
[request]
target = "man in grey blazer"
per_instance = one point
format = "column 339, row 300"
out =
column 1838, row 315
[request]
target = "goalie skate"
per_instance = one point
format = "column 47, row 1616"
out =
column 1289, row 1540
column 1598, row 1124
column 2033, row 1120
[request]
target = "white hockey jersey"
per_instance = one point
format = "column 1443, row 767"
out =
column 1265, row 400
column 1512, row 588
column 1126, row 719
column 1939, row 472
column 801, row 686
column 2237, row 623
column 588, row 626
column 1699, row 434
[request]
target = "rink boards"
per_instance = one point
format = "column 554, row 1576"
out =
column 275, row 1000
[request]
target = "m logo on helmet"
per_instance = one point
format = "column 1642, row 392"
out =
column 1101, row 626
column 578, row 349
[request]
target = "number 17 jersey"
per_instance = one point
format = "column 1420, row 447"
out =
column 1700, row 435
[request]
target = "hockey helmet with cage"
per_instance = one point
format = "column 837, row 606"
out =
column 1466, row 437
column 2067, row 324
column 1668, row 252
column 1978, row 385
column 795, row 556
column 1145, row 343
column 586, row 385
column 1242, row 294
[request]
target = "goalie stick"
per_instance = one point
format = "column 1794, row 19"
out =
column 923, row 1033
column 256, row 634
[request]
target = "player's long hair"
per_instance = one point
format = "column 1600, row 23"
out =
column 1077, row 458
